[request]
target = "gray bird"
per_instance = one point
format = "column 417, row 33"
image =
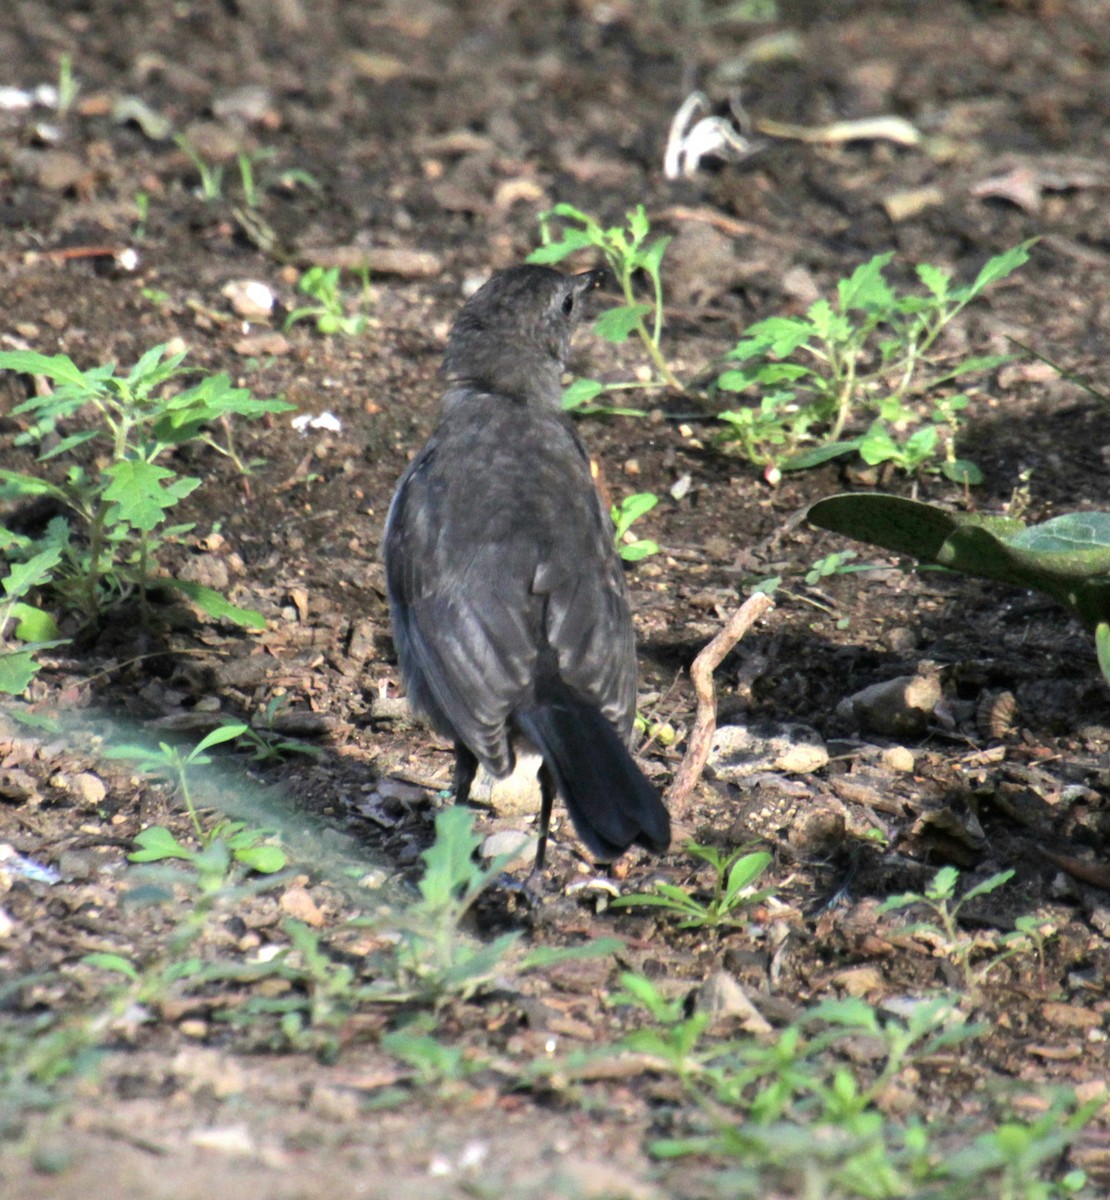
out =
column 509, row 606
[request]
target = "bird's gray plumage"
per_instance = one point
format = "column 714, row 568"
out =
column 509, row 606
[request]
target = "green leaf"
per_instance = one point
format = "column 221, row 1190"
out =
column 935, row 279
column 581, row 392
column 1000, row 266
column 651, row 259
column 265, row 859
column 13, row 483
column 59, row 368
column 866, row 288
column 33, row 573
column 962, row 471
column 820, row 454
column 638, row 224
column 1085, row 532
column 215, row 605
column 1102, row 647
column 746, row 871
column 32, row 624
column 553, row 252
column 17, row 669
column 616, row 324
column 111, row 962
column 877, row 446
column 225, row 733
column 640, row 549
column 137, row 488
column 156, row 843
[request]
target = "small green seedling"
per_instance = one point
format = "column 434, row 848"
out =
column 31, row 626
column 1067, row 557
column 733, row 890
column 329, row 309
column 122, row 487
column 211, row 175
column 225, row 842
column 628, row 250
column 866, row 353
column 624, row 515
column 940, row 898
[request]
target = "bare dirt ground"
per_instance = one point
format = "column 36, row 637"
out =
column 436, row 133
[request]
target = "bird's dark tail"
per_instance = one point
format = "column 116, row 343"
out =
column 610, row 802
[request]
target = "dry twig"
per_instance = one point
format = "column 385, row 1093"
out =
column 701, row 673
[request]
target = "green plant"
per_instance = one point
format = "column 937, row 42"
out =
column 267, row 744
column 68, row 87
column 211, row 175
column 30, row 625
column 732, row 896
column 627, row 250
column 940, row 898
column 123, row 497
column 1067, row 557
column 805, row 1120
column 329, row 310
column 624, row 515
column 868, row 352
column 226, row 842
column 432, row 959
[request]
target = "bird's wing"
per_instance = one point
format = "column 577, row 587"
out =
column 464, row 621
column 589, row 625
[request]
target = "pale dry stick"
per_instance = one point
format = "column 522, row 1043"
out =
column 701, row 674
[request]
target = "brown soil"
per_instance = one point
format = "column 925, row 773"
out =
column 437, row 131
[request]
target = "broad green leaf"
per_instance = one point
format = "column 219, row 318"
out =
column 746, row 870
column 138, row 488
column 632, row 508
column 17, row 669
column 1068, row 558
column 1102, row 647
column 264, row 859
column 638, row 224
column 581, row 392
column 962, row 471
column 156, row 843
column 780, row 336
column 766, row 373
column 32, row 624
column 217, row 605
column 616, row 324
column 639, row 550
column 24, row 576
column 1087, row 532
column 877, row 446
column 59, row 368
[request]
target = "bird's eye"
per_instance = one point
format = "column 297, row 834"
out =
column 568, row 305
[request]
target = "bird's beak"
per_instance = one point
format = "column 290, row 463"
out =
column 586, row 281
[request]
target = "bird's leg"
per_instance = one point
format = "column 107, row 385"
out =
column 547, row 798
column 466, row 767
